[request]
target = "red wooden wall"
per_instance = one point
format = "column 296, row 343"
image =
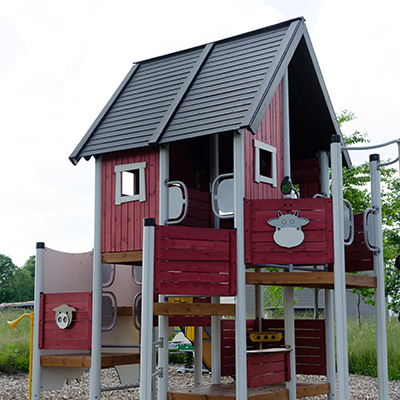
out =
column 122, row 225
column 270, row 132
column 78, row 336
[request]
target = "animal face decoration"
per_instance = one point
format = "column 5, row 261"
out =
column 288, row 231
column 64, row 315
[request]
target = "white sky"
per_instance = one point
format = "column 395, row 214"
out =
column 61, row 60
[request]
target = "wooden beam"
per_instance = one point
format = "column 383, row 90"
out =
column 308, row 279
column 193, row 309
column 123, row 257
column 85, row 360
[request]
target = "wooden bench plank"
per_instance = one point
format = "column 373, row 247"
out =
column 193, row 309
column 85, row 360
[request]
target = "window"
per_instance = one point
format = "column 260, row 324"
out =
column 130, row 183
column 265, row 163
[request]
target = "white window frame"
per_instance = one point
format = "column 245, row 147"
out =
column 258, row 177
column 119, row 169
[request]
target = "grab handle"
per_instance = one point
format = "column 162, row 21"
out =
column 367, row 212
column 351, row 217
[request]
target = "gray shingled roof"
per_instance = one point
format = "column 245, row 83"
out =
column 219, row 87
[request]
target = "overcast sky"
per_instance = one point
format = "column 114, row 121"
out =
column 61, row 60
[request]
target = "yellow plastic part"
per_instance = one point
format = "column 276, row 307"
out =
column 266, row 336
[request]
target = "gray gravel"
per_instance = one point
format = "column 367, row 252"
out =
column 15, row 387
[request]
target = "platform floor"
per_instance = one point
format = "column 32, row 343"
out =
column 228, row 392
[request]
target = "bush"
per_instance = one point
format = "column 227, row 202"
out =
column 14, row 345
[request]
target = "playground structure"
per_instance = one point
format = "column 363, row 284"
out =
column 212, row 165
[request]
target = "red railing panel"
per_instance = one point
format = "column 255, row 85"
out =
column 317, row 246
column 195, row 261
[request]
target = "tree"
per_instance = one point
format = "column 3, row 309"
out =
column 7, row 279
column 355, row 189
column 25, row 281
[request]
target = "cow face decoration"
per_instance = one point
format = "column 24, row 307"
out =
column 288, row 231
column 64, row 315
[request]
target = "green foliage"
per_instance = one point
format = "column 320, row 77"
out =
column 7, row 278
column 356, row 190
column 16, row 284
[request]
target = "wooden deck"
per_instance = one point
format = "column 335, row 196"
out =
column 322, row 280
column 228, row 392
column 85, row 360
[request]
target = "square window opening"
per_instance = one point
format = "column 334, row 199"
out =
column 265, row 163
column 130, row 182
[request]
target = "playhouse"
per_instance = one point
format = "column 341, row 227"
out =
column 212, row 167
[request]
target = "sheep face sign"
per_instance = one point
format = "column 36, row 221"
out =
column 288, row 231
column 64, row 315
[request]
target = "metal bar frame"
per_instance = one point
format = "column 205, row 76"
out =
column 339, row 269
column 146, row 351
column 95, row 369
column 380, row 303
column 240, row 310
column 328, row 296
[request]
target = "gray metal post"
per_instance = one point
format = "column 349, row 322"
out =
column 328, row 296
column 240, row 313
column 290, row 339
column 95, row 369
column 215, row 319
column 198, row 356
column 146, row 345
column 339, row 269
column 163, row 320
column 380, row 304
column 36, row 368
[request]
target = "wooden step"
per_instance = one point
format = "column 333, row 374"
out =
column 193, row 309
column 227, row 391
column 322, row 280
column 85, row 360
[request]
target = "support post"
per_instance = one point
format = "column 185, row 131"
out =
column 328, row 295
column 36, row 367
column 290, row 339
column 163, row 319
column 215, row 319
column 146, row 346
column 380, row 303
column 240, row 313
column 198, row 356
column 95, row 369
column 339, row 269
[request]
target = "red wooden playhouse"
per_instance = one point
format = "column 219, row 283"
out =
column 212, row 167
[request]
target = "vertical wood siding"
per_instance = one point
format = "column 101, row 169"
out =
column 122, row 224
column 270, row 132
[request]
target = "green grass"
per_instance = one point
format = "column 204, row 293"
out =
column 14, row 345
column 362, row 347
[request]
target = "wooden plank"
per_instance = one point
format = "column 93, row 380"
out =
column 193, row 309
column 228, row 392
column 124, row 257
column 84, row 360
column 308, row 279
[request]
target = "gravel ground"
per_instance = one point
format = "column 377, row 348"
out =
column 15, row 387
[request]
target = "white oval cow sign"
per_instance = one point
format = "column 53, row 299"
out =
column 288, row 231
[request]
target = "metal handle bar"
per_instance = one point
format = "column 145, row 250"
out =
column 114, row 269
column 183, row 187
column 351, row 238
column 112, row 295
column 368, row 211
column 216, row 181
column 137, row 316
